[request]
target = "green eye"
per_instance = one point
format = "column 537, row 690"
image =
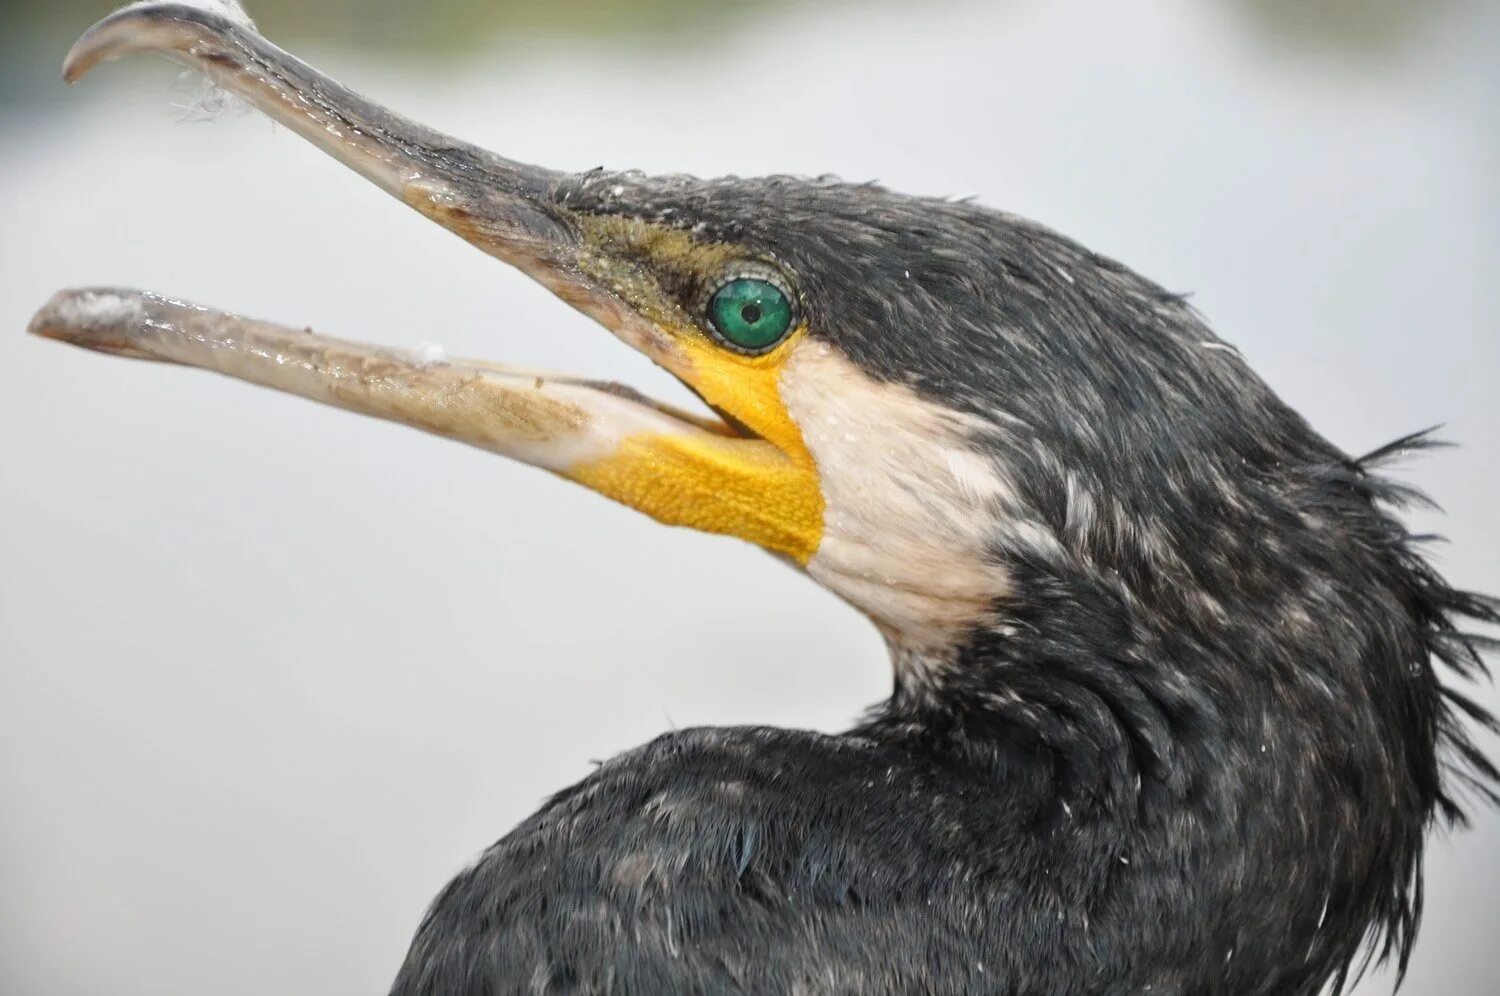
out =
column 750, row 314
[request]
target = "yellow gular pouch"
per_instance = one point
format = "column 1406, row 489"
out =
column 764, row 490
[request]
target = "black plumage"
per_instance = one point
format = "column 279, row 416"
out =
column 1196, row 749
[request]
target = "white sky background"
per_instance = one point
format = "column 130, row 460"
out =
column 271, row 673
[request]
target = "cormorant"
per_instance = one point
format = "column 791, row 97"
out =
column 1168, row 714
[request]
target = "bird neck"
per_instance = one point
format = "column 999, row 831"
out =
column 1254, row 688
column 1077, row 677
column 1268, row 641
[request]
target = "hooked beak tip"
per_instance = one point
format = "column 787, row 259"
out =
column 147, row 27
column 83, row 56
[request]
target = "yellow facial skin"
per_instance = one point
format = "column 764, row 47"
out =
column 762, row 490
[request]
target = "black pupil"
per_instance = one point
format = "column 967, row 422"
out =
column 750, row 313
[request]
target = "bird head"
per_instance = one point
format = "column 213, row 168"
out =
column 966, row 425
column 813, row 317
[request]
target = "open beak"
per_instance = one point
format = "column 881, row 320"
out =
column 678, row 468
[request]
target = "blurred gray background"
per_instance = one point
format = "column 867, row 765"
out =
column 270, row 673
